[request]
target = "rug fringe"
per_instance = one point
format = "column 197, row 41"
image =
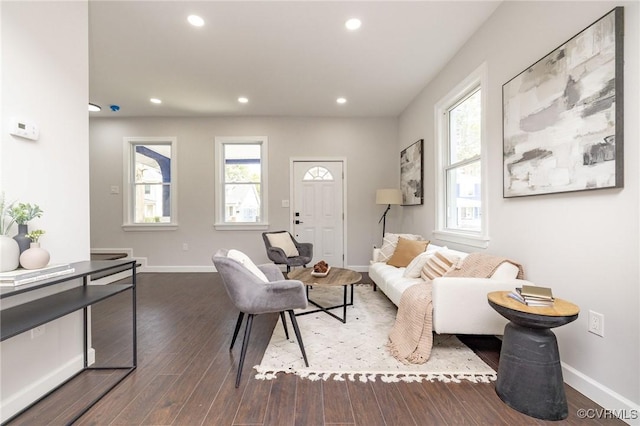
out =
column 264, row 373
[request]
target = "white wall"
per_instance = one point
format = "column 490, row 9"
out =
column 367, row 144
column 44, row 78
column 584, row 245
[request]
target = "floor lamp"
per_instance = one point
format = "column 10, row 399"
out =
column 388, row 197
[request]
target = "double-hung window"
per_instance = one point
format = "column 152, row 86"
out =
column 150, row 183
column 241, row 189
column 461, row 187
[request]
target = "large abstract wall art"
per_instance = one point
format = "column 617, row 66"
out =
column 563, row 116
column 411, row 174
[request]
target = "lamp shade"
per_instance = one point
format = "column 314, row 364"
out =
column 388, row 196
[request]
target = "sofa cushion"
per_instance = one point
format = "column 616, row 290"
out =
column 438, row 265
column 283, row 240
column 389, row 280
column 406, row 251
column 389, row 243
column 245, row 261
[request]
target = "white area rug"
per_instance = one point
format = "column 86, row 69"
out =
column 356, row 350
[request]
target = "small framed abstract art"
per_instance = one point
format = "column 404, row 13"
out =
column 563, row 116
column 411, row 159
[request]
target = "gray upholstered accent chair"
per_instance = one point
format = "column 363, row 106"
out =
column 278, row 256
column 252, row 296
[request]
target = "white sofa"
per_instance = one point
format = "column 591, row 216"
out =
column 459, row 304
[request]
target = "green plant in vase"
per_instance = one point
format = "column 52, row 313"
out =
column 34, row 257
column 34, row 236
column 9, row 248
column 21, row 214
column 6, row 221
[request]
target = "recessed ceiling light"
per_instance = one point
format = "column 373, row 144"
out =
column 341, row 100
column 195, row 20
column 353, row 24
column 94, row 108
column 155, row 101
column 243, row 100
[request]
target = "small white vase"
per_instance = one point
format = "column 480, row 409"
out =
column 9, row 254
column 34, row 257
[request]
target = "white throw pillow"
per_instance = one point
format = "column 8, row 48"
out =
column 245, row 261
column 283, row 240
column 415, row 266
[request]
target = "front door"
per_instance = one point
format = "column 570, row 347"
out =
column 318, row 216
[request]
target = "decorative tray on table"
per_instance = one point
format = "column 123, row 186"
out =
column 321, row 274
column 321, row 269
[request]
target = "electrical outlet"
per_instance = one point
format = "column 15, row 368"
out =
column 37, row 332
column 185, row 247
column 596, row 323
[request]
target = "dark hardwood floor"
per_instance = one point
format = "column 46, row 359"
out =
column 186, row 374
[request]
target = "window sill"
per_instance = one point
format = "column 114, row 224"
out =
column 150, row 227
column 478, row 241
column 241, row 226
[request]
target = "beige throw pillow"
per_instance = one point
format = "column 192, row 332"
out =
column 283, row 240
column 389, row 243
column 438, row 265
column 406, row 251
column 245, row 261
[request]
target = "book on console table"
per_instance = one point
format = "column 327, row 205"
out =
column 536, row 293
column 541, row 296
column 25, row 276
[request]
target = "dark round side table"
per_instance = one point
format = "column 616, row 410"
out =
column 529, row 372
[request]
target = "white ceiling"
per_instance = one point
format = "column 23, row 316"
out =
column 289, row 58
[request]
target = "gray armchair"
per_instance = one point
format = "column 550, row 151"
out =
column 253, row 297
column 278, row 256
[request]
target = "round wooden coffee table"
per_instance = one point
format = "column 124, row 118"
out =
column 335, row 278
column 529, row 372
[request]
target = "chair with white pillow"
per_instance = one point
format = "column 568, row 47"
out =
column 283, row 249
column 258, row 289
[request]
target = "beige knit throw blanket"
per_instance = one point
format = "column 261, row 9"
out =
column 411, row 337
column 481, row 265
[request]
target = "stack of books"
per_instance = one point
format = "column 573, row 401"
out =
column 25, row 276
column 533, row 295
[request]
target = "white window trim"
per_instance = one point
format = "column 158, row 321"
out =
column 127, row 194
column 219, row 223
column 479, row 77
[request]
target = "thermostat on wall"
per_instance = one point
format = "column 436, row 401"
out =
column 24, row 129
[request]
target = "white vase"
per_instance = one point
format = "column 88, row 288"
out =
column 34, row 257
column 9, row 254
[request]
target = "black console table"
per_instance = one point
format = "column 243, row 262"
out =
column 29, row 315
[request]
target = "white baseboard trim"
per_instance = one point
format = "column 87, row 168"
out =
column 213, row 269
column 26, row 396
column 614, row 403
column 178, row 269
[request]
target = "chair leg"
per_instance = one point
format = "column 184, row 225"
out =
column 245, row 343
column 298, row 336
column 284, row 324
column 235, row 332
column 288, row 269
